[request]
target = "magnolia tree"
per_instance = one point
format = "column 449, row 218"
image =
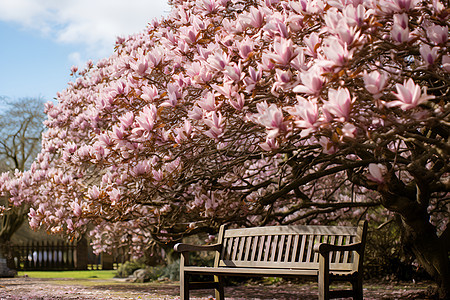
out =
column 252, row 113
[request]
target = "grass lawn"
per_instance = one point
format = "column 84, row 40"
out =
column 88, row 274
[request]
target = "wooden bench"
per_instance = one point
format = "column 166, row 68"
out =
column 328, row 253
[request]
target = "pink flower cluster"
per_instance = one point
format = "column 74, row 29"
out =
column 196, row 111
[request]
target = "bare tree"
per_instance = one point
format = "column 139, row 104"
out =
column 20, row 141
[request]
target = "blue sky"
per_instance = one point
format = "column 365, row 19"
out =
column 42, row 39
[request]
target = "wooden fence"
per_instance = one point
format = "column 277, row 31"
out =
column 44, row 256
column 56, row 255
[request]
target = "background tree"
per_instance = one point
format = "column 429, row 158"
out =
column 254, row 113
column 20, row 141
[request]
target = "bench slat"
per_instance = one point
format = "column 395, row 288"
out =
column 274, row 248
column 281, row 248
column 267, row 248
column 309, row 248
column 294, row 251
column 254, row 247
column 333, row 254
column 346, row 253
column 288, row 248
column 260, row 248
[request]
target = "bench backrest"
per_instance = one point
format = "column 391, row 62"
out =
column 289, row 246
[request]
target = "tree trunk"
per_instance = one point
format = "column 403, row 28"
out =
column 430, row 251
column 5, row 271
column 421, row 237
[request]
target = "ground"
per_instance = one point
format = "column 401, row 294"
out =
column 82, row 289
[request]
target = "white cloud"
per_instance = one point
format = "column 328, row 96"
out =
column 95, row 24
column 75, row 59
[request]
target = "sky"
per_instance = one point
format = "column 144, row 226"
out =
column 40, row 40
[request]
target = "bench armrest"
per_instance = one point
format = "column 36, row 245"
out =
column 324, row 247
column 189, row 248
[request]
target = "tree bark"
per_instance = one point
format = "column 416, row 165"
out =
column 421, row 237
column 5, row 271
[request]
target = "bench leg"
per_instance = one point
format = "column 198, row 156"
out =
column 324, row 276
column 220, row 293
column 357, row 289
column 184, row 286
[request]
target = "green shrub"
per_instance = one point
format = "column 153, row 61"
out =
column 387, row 257
column 127, row 268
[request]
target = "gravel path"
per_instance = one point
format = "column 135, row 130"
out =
column 43, row 289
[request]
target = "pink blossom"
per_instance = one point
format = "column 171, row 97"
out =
column 239, row 103
column 270, row 144
column 114, row 196
column 77, row 209
column 94, row 192
column 272, row 118
column 283, row 52
column 234, row 72
column 312, row 81
column 189, row 34
column 347, row 34
column 147, row 117
column 282, row 79
column 149, row 93
column 267, row 63
column 376, row 173
column 339, row 103
column 312, row 42
column 401, row 20
column 429, row 55
column 211, row 6
column 74, row 70
column 183, row 133
column 141, row 168
column 398, row 5
column 216, row 123
column 227, row 89
column 196, row 113
column 400, row 29
column 332, row 19
column 218, row 61
column 173, row 165
column 306, row 113
column 157, row 175
column 254, row 18
column 308, row 6
column 399, row 34
column 354, row 15
column 105, row 141
column 299, row 62
column 437, row 34
column 32, row 213
column 127, row 119
column 446, row 63
column 174, row 93
column 409, row 95
column 327, row 146
column 254, row 76
column 336, row 51
column 349, row 130
column 375, row 82
column 208, row 102
column 245, row 47
column 198, row 72
column 140, row 66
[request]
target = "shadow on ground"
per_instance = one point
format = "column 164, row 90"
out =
column 98, row 289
